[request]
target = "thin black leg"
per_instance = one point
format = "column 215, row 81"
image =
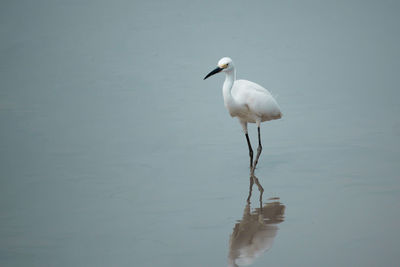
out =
column 260, row 188
column 250, row 150
column 259, row 149
column 250, row 188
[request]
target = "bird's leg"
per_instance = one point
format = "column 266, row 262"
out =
column 260, row 188
column 250, row 150
column 250, row 188
column 259, row 149
column 244, row 126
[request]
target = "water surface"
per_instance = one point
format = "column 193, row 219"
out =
column 115, row 152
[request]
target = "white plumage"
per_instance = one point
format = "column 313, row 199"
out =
column 253, row 103
column 248, row 101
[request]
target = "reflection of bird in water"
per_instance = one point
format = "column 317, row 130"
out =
column 255, row 233
column 248, row 101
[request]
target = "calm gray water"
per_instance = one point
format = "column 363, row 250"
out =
column 115, row 152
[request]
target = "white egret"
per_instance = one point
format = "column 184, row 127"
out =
column 248, row 101
column 255, row 233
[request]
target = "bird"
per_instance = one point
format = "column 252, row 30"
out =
column 248, row 101
column 255, row 233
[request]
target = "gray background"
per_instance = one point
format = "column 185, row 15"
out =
column 115, row 152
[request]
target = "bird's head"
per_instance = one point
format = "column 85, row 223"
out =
column 225, row 64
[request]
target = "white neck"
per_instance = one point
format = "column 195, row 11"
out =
column 230, row 77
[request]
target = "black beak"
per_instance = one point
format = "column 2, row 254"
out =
column 215, row 71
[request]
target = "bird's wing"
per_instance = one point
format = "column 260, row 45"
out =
column 249, row 86
column 257, row 99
